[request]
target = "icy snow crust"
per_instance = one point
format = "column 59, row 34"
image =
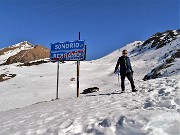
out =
column 154, row 110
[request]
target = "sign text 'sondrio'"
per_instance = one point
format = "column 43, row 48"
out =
column 68, row 46
column 70, row 50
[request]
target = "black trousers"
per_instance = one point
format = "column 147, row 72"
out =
column 130, row 78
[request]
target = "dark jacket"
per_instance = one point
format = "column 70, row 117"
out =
column 125, row 65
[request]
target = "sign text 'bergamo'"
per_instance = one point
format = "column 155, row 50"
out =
column 68, row 51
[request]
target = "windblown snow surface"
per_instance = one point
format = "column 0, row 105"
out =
column 27, row 107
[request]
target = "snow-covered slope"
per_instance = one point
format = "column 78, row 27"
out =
column 154, row 110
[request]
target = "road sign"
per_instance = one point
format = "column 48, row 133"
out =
column 68, row 51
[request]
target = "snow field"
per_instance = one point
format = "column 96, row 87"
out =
column 153, row 110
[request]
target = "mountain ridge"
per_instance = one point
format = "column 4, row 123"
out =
column 162, row 49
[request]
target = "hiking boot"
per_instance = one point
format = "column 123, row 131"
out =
column 134, row 90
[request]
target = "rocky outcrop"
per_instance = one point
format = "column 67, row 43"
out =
column 4, row 77
column 156, row 72
column 37, row 62
column 159, row 39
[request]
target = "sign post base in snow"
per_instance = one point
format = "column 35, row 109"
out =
column 68, row 51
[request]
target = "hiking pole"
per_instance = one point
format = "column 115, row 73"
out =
column 118, row 79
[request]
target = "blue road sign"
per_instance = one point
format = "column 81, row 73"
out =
column 68, row 51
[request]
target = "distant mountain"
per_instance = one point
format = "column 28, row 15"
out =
column 26, row 56
column 23, row 52
column 20, row 46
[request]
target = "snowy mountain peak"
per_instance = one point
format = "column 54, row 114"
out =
column 22, row 46
column 162, row 49
column 23, row 52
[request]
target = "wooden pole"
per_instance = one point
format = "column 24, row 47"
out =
column 78, row 70
column 78, row 93
column 57, row 79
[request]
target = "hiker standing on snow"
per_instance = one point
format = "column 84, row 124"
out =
column 125, row 70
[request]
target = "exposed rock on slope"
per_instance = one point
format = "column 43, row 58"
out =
column 156, row 72
column 4, row 77
column 169, row 63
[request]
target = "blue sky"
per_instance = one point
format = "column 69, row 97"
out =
column 106, row 25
